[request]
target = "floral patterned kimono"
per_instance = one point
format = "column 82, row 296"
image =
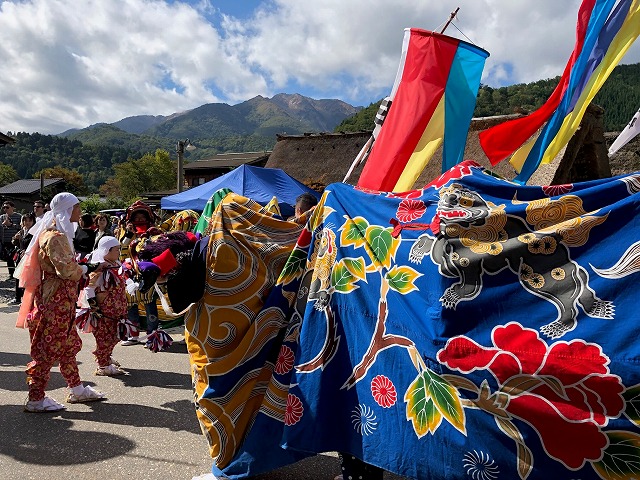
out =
column 111, row 297
column 51, row 326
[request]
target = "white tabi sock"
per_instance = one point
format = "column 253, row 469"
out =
column 77, row 390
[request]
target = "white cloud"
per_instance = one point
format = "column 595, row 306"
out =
column 71, row 63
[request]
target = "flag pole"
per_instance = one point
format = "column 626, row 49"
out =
column 451, row 17
column 359, row 158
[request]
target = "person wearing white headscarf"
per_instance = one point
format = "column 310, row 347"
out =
column 105, row 301
column 50, row 276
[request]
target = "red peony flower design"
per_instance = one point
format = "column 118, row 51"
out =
column 284, row 364
column 383, row 391
column 410, row 210
column 454, row 173
column 293, row 412
column 553, row 190
column 571, row 393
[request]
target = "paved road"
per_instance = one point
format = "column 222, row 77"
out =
column 147, row 428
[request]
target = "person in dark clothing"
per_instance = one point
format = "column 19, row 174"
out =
column 85, row 236
column 21, row 241
column 10, row 225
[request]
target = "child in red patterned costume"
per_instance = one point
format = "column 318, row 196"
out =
column 106, row 299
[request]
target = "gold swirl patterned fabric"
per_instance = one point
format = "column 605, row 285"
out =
column 229, row 331
column 182, row 221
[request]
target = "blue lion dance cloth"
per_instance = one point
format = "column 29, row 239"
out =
column 472, row 329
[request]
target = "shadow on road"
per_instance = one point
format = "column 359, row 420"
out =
column 14, row 359
column 175, row 416
column 17, row 381
column 48, row 439
column 155, row 378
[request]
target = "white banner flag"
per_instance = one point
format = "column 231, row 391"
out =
column 630, row 131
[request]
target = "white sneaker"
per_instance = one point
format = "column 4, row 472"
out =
column 109, row 371
column 129, row 341
column 89, row 394
column 46, row 405
column 208, row 476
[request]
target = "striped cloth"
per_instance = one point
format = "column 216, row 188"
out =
column 233, row 339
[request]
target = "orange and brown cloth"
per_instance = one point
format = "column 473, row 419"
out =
column 229, row 328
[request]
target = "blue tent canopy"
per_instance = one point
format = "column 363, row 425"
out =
column 257, row 183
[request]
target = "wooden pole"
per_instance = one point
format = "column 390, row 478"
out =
column 451, row 17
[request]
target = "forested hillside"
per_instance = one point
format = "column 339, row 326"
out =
column 620, row 97
column 34, row 152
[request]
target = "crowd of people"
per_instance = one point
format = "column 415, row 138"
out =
column 71, row 272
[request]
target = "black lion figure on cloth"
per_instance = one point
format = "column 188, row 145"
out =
column 476, row 237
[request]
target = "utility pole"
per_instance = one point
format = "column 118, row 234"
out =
column 180, row 152
column 181, row 146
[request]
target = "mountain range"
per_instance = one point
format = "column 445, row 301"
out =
column 250, row 125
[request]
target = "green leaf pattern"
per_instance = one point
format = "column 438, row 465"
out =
column 401, row 279
column 430, row 398
column 294, row 268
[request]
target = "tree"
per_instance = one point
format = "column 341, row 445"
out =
column 74, row 181
column 93, row 204
column 147, row 174
column 8, row 174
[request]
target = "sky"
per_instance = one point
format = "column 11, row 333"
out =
column 72, row 63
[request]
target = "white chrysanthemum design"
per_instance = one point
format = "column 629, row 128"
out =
column 479, row 466
column 364, row 420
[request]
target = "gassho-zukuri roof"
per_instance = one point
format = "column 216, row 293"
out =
column 5, row 139
column 326, row 158
column 230, row 160
column 28, row 186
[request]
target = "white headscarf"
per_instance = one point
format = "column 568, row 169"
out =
column 61, row 208
column 104, row 245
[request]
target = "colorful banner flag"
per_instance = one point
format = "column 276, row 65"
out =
column 605, row 31
column 433, row 99
column 630, row 131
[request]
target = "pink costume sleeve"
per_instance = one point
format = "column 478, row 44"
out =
column 29, row 274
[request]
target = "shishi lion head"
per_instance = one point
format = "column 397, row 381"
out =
column 459, row 205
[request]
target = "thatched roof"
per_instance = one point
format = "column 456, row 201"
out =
column 326, row 158
column 317, row 158
column 5, row 139
column 228, row 160
column 627, row 159
column 28, row 186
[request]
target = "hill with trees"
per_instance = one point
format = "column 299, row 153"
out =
column 219, row 127
column 33, row 152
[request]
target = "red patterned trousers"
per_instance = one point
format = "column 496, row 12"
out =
column 54, row 338
column 106, row 335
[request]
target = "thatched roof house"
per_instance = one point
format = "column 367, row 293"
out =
column 326, row 157
column 6, row 140
column 317, row 158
